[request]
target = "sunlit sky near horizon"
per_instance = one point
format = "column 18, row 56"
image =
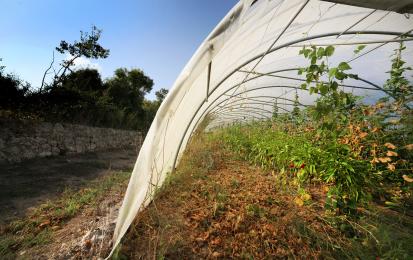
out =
column 157, row 36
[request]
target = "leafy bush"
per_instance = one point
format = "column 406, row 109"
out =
column 359, row 151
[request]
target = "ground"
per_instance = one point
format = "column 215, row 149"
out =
column 215, row 205
column 219, row 206
column 31, row 183
column 62, row 207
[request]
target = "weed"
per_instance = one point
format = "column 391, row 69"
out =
column 254, row 210
column 34, row 230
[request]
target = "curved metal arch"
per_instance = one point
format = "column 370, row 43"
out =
column 232, row 119
column 241, row 113
column 260, row 102
column 254, row 89
column 307, row 39
column 249, row 103
column 262, row 54
column 239, row 107
column 270, row 74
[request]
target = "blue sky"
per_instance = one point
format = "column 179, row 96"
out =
column 158, row 36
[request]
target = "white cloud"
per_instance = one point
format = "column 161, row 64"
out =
column 83, row 63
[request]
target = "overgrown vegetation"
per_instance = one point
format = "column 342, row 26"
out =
column 333, row 180
column 360, row 151
column 217, row 205
column 37, row 227
column 81, row 96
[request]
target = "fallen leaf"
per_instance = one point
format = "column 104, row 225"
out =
column 44, row 223
column 375, row 130
column 216, row 241
column 391, row 153
column 88, row 243
column 374, row 160
column 306, row 197
column 407, row 178
column 216, row 254
column 391, row 167
column 390, row 146
column 409, row 147
column 384, row 159
column 363, row 134
column 299, row 202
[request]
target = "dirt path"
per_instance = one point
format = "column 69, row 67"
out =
column 88, row 235
column 216, row 206
column 31, row 183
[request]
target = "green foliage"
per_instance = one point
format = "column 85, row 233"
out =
column 88, row 47
column 359, row 49
column 400, row 88
column 275, row 110
column 296, row 109
column 359, row 151
column 83, row 98
column 333, row 103
column 306, row 157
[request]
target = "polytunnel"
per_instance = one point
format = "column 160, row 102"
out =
column 249, row 62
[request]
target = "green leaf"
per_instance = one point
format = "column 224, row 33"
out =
column 312, row 90
column 332, row 72
column 334, row 85
column 340, row 75
column 320, row 53
column 304, row 86
column 329, row 51
column 313, row 59
column 343, row 66
column 359, row 48
column 323, row 89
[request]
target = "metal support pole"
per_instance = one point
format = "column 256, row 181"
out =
column 208, row 80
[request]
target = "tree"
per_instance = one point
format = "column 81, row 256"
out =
column 85, row 80
column 127, row 88
column 87, row 47
column 12, row 90
column 161, row 95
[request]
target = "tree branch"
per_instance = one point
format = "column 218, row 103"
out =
column 46, row 72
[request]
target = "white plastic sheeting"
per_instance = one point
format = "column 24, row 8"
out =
column 249, row 59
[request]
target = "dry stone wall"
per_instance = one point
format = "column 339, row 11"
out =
column 22, row 140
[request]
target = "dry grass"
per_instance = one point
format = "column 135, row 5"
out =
column 218, row 206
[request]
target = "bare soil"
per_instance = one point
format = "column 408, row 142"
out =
column 220, row 207
column 88, row 235
column 28, row 184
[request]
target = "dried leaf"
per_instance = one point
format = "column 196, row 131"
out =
column 216, row 254
column 384, row 159
column 363, row 134
column 391, row 153
column 216, row 241
column 374, row 160
column 391, row 167
column 44, row 223
column 390, row 146
column 306, row 197
column 299, row 202
column 407, row 178
column 409, row 147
